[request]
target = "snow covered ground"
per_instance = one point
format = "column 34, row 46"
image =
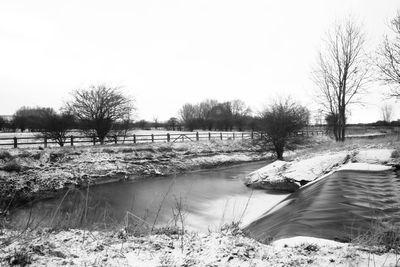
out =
column 228, row 247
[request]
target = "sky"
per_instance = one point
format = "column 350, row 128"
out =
column 168, row 53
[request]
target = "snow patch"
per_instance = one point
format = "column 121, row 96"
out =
column 373, row 155
column 364, row 167
column 299, row 240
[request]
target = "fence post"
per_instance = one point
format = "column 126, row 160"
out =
column 94, row 139
column 233, row 135
column 134, row 138
column 72, row 140
column 15, row 142
column 45, row 141
column 242, row 136
column 115, row 139
column 209, row 136
column 220, row 134
column 152, row 138
column 168, row 137
column 197, row 136
column 252, row 135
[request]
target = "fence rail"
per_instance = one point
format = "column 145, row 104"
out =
column 73, row 140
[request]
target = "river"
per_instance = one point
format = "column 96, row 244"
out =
column 206, row 200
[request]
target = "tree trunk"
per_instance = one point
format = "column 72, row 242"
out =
column 279, row 148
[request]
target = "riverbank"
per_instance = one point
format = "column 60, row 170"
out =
column 311, row 164
column 32, row 174
column 168, row 247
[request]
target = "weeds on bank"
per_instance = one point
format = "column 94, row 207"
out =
column 379, row 238
column 19, row 258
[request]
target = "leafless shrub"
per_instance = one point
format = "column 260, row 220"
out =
column 12, row 166
column 20, row 257
column 395, row 154
column 5, row 155
column 282, row 119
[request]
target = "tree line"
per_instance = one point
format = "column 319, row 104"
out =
column 341, row 74
column 221, row 116
column 95, row 110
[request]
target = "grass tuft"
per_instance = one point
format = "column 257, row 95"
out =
column 19, row 258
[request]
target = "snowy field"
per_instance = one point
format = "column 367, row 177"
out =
column 35, row 139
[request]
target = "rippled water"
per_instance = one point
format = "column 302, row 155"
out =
column 339, row 207
column 208, row 198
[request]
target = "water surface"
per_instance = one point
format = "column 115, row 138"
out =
column 207, row 199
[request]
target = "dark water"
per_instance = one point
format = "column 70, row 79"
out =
column 207, row 199
column 340, row 207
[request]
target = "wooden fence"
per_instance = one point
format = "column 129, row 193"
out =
column 73, row 140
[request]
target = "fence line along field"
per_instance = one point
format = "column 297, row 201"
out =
column 16, row 140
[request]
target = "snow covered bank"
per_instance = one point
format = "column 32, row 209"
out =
column 225, row 248
column 289, row 176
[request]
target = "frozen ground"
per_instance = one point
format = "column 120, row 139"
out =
column 228, row 247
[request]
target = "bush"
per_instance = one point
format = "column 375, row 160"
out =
column 165, row 148
column 5, row 155
column 128, row 150
column 282, row 119
column 54, row 156
column 25, row 154
column 19, row 258
column 108, row 151
column 395, row 154
column 11, row 166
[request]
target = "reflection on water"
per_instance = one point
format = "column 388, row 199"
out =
column 340, row 207
column 209, row 199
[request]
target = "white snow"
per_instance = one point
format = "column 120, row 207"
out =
column 373, row 155
column 298, row 240
column 364, row 167
column 307, row 169
column 268, row 172
column 311, row 168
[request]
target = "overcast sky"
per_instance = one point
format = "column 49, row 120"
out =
column 166, row 53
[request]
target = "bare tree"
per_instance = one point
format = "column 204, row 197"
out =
column 3, row 123
column 388, row 60
column 156, row 123
column 57, row 126
column 387, row 113
column 188, row 115
column 281, row 119
column 172, row 123
column 341, row 73
column 240, row 112
column 99, row 107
